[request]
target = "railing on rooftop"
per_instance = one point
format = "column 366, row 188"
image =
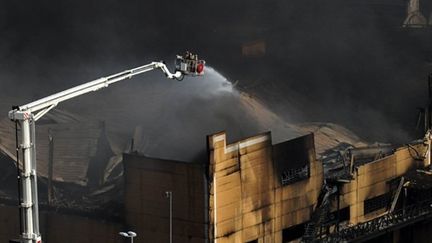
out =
column 381, row 225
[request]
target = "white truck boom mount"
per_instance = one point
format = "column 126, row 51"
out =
column 25, row 117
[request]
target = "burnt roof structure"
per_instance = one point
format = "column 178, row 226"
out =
column 80, row 147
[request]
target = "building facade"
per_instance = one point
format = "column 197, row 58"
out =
column 261, row 192
column 147, row 208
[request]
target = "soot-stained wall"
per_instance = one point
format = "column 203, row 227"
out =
column 247, row 199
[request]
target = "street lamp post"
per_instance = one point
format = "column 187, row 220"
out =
column 169, row 195
column 129, row 234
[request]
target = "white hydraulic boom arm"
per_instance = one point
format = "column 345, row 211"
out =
column 25, row 117
column 45, row 104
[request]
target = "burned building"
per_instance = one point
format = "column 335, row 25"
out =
column 249, row 190
column 70, row 148
column 262, row 192
column 371, row 188
column 252, row 191
column 372, row 196
column 76, row 202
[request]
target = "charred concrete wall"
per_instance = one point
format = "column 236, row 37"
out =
column 248, row 202
column 371, row 183
column 147, row 207
column 56, row 227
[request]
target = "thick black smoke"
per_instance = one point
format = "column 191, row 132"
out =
column 348, row 61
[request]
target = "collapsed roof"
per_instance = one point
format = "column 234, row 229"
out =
column 80, row 147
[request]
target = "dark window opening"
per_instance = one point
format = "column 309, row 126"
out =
column 293, row 232
column 253, row 241
column 376, row 203
column 292, row 159
column 293, row 175
column 343, row 214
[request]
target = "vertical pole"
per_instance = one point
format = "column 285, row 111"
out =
column 33, row 180
column 18, row 176
column 428, row 142
column 171, row 218
column 27, row 202
column 50, row 167
column 169, row 195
